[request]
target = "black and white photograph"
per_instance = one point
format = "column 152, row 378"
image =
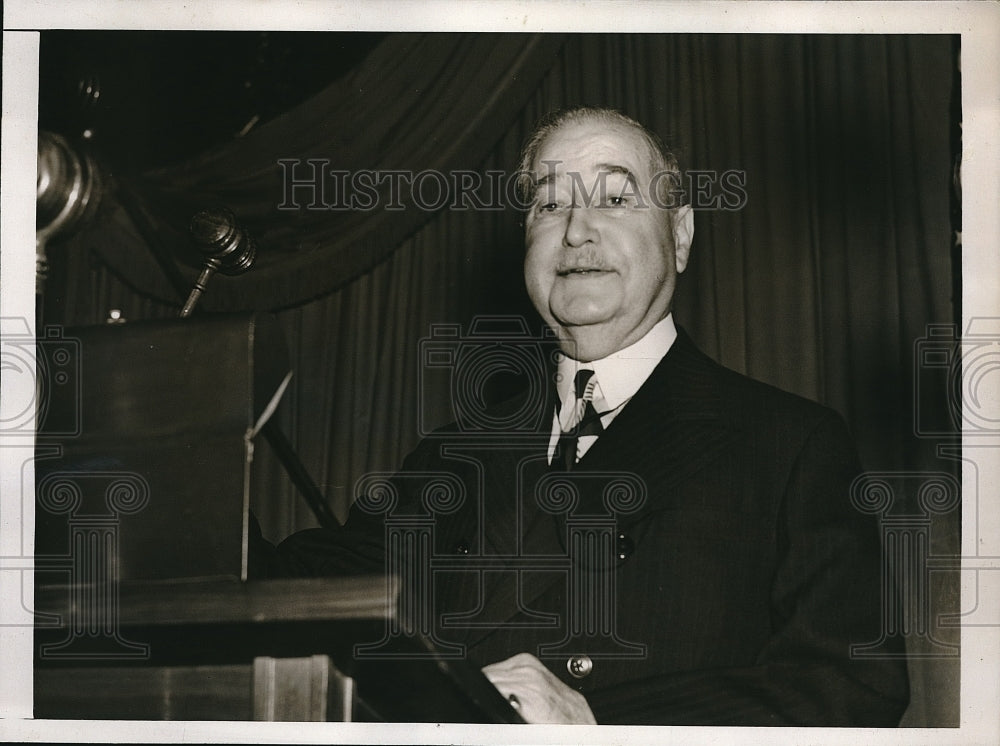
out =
column 500, row 373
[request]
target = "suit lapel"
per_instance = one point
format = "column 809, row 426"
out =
column 675, row 425
column 513, row 468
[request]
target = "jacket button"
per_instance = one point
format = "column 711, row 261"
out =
column 624, row 547
column 579, row 666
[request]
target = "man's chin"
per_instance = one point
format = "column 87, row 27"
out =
column 586, row 342
column 582, row 311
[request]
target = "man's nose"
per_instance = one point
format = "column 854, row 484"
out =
column 579, row 227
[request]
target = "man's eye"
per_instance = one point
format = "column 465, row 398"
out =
column 613, row 201
column 548, row 207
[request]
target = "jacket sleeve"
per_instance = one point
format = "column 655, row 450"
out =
column 357, row 548
column 827, row 595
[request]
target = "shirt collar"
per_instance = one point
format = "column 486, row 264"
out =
column 621, row 374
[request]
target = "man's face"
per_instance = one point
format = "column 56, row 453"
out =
column 602, row 259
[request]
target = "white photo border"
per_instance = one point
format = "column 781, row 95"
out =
column 979, row 27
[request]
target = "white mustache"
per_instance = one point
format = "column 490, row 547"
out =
column 588, row 261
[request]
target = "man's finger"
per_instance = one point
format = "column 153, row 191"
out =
column 515, row 661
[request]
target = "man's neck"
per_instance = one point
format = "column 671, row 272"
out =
column 621, row 373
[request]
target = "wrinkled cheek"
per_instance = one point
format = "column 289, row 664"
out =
column 538, row 278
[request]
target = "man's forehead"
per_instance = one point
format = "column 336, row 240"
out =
column 591, row 146
column 553, row 174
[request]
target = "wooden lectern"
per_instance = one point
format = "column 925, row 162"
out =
column 154, row 440
column 143, row 610
column 266, row 650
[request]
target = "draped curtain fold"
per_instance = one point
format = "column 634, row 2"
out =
column 822, row 283
column 418, row 103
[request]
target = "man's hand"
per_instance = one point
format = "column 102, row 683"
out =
column 536, row 693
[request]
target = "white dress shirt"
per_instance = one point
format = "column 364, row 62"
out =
column 618, row 377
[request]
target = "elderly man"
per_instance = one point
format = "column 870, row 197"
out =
column 737, row 581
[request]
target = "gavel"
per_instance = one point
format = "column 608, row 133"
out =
column 231, row 250
column 227, row 247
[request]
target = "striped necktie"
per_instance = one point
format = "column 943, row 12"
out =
column 586, row 421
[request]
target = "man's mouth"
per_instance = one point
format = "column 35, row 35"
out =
column 580, row 271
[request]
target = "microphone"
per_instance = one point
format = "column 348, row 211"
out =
column 227, row 247
column 67, row 191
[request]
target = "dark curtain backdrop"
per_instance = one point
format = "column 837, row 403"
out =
column 822, row 284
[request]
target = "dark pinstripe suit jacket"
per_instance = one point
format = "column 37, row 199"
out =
column 734, row 579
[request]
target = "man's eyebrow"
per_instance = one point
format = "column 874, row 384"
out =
column 615, row 168
column 550, row 176
column 612, row 168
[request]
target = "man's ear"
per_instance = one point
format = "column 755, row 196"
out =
column 683, row 227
